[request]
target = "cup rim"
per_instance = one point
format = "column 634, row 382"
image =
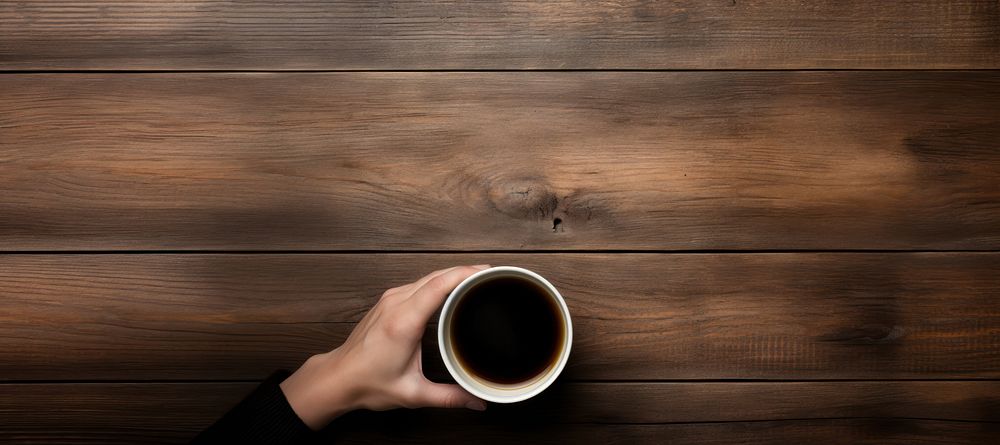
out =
column 536, row 386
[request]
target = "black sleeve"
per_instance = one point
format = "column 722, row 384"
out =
column 263, row 417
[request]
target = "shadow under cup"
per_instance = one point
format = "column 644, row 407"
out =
column 544, row 301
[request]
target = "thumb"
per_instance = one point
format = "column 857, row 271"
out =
column 439, row 395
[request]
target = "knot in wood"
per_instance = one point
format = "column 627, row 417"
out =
column 524, row 198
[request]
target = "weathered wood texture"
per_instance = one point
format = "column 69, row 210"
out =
column 612, row 161
column 507, row 34
column 820, row 432
column 883, row 412
column 636, row 316
column 624, row 160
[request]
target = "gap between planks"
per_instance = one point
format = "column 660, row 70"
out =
column 513, row 70
column 489, row 251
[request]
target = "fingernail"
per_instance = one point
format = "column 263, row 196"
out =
column 482, row 266
column 477, row 405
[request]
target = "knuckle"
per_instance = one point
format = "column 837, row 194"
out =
column 397, row 326
column 438, row 283
column 450, row 400
column 390, row 297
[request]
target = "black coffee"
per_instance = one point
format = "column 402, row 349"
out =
column 507, row 330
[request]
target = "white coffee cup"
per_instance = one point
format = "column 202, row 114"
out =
column 492, row 391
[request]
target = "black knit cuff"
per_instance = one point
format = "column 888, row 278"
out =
column 263, row 417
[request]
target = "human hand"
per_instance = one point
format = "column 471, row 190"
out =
column 378, row 366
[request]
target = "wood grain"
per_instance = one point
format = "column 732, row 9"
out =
column 115, row 413
column 818, row 348
column 836, row 431
column 508, row 34
column 636, row 316
column 501, row 161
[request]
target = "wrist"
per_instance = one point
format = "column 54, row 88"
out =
column 316, row 392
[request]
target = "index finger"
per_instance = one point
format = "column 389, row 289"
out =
column 429, row 297
column 408, row 288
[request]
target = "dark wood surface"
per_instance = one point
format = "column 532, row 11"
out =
column 832, row 431
column 774, row 221
column 873, row 412
column 710, row 316
column 502, row 34
column 508, row 161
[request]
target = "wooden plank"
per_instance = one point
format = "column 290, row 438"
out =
column 636, row 316
column 510, row 34
column 501, row 161
column 838, row 431
column 820, row 432
column 115, row 413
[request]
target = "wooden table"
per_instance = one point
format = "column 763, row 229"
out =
column 773, row 221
